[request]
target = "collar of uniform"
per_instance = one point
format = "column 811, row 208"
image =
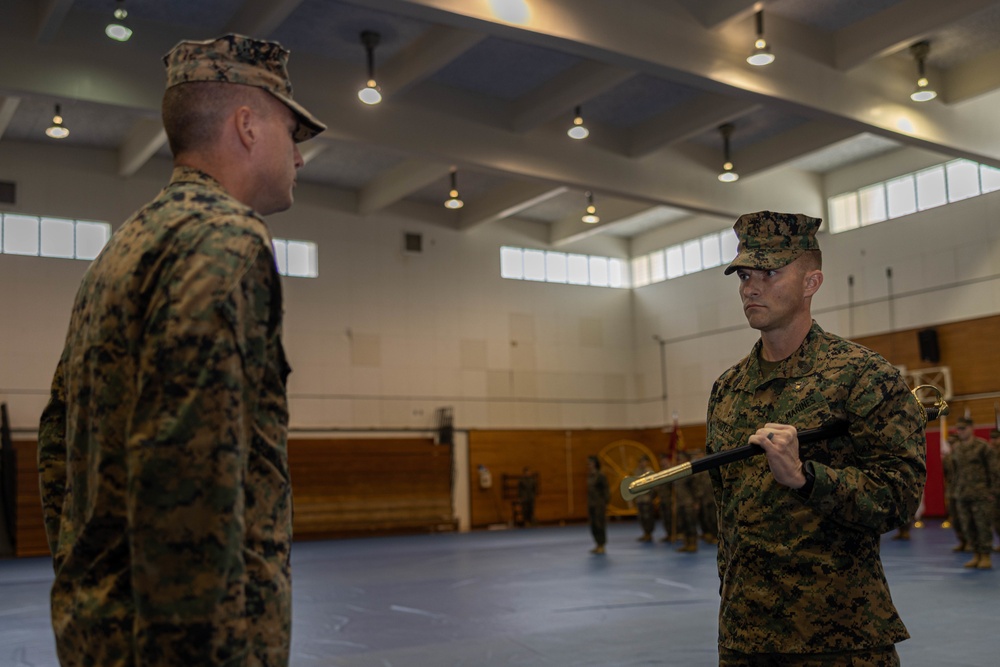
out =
column 799, row 364
column 185, row 174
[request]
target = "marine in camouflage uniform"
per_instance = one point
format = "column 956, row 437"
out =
column 598, row 495
column 644, row 504
column 687, row 509
column 951, row 498
column 995, row 444
column 801, row 576
column 162, row 450
column 708, row 511
column 976, row 471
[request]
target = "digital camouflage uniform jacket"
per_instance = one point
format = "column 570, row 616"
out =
column 976, row 470
column 804, row 575
column 162, row 451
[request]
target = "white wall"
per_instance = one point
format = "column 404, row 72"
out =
column 381, row 339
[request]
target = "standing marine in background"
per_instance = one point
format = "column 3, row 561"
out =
column 644, row 503
column 598, row 495
column 976, row 470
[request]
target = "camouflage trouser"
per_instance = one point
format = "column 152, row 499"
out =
column 598, row 523
column 647, row 519
column 687, row 519
column 977, row 522
column 667, row 514
column 996, row 517
column 709, row 517
column 884, row 656
column 956, row 520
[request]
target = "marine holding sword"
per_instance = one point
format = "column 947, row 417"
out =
column 801, row 577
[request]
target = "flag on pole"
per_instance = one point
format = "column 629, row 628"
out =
column 945, row 445
column 676, row 442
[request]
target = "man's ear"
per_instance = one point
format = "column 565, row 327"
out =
column 244, row 122
column 813, row 281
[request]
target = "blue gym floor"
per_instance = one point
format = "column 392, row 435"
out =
column 537, row 597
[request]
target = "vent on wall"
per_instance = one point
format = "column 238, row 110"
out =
column 8, row 192
column 413, row 243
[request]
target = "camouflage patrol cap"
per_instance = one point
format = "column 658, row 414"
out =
column 243, row 60
column 772, row 240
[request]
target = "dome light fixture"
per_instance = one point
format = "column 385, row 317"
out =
column 923, row 92
column 578, row 130
column 57, row 130
column 590, row 215
column 728, row 173
column 453, row 201
column 117, row 30
column 761, row 54
column 371, row 94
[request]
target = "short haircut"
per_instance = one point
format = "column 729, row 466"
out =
column 596, row 461
column 812, row 260
column 193, row 112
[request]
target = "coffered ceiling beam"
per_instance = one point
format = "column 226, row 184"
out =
column 145, row 138
column 398, row 182
column 261, row 17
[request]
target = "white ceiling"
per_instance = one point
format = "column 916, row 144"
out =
column 471, row 85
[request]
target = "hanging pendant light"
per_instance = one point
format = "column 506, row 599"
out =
column 454, row 201
column 590, row 213
column 924, row 92
column 761, row 54
column 57, row 130
column 117, row 29
column 371, row 93
column 577, row 130
column 728, row 173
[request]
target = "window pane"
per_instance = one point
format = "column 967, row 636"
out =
column 657, row 266
column 57, row 238
column 599, row 271
column 872, row 201
column 302, row 259
column 963, row 179
column 844, row 212
column 902, row 196
column 511, row 263
column 20, row 235
column 692, row 256
column 990, row 178
column 675, row 261
column 281, row 255
column 640, row 271
column 555, row 267
column 577, row 265
column 710, row 252
column 616, row 273
column 91, row 238
column 730, row 245
column 930, row 188
column 534, row 265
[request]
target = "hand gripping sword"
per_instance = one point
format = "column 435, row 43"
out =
column 636, row 486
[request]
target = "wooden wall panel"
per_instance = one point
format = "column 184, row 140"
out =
column 29, row 534
column 340, row 488
column 560, row 459
column 971, row 349
column 361, row 486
